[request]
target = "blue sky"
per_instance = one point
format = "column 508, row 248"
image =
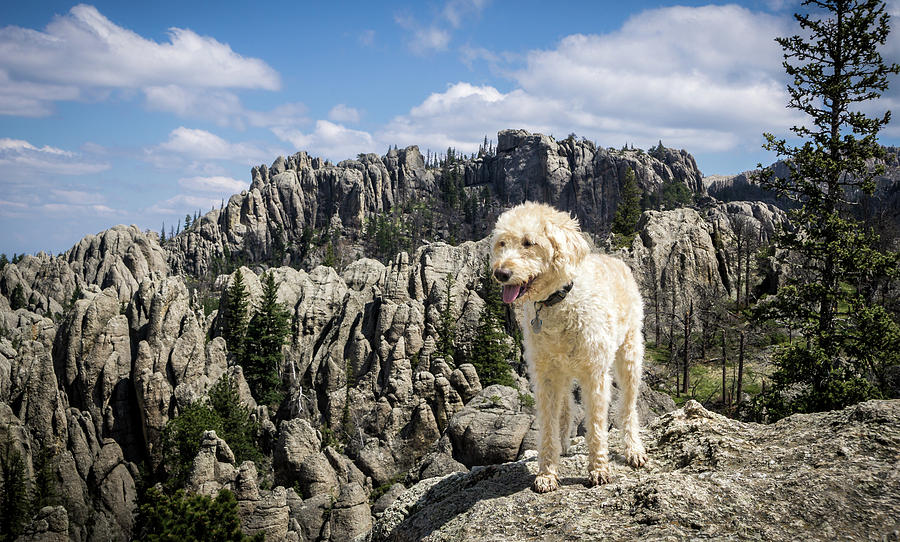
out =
column 140, row 112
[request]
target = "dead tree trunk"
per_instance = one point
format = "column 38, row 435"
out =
column 747, row 278
column 672, row 325
column 656, row 309
column 703, row 340
column 738, row 275
column 724, row 362
column 686, row 375
column 740, row 375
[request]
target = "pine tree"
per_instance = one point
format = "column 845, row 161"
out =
column 180, row 441
column 330, row 258
column 674, row 194
column 238, row 428
column 450, row 184
column 834, row 66
column 490, row 350
column 187, row 518
column 44, row 487
column 221, row 412
column 17, row 298
column 628, row 211
column 268, row 331
column 235, row 315
column 14, row 504
column 279, row 250
column 658, row 152
column 162, row 234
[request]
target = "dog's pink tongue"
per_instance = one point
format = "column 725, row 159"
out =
column 510, row 293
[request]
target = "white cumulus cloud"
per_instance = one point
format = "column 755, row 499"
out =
column 222, row 107
column 708, row 79
column 344, row 113
column 19, row 159
column 329, row 140
column 673, row 66
column 423, row 39
column 429, row 39
column 78, row 197
column 82, row 54
column 217, row 184
column 184, row 203
column 198, row 193
column 197, row 144
column 34, row 179
column 455, row 11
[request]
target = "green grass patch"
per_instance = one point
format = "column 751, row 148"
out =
column 656, row 354
column 706, row 383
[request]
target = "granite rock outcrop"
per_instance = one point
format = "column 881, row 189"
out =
column 813, row 477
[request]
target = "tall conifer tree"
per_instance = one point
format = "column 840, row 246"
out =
column 235, row 315
column 14, row 504
column 490, row 350
column 834, row 66
column 628, row 212
column 267, row 332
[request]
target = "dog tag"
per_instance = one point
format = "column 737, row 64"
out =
column 536, row 324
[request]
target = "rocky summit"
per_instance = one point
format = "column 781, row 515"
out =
column 829, row 476
column 298, row 195
column 385, row 428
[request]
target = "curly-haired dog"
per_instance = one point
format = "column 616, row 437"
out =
column 580, row 314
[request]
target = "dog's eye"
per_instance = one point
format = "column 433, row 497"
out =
column 502, row 244
column 527, row 243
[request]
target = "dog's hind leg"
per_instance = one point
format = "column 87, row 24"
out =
column 565, row 418
column 629, row 365
column 548, row 392
column 595, row 394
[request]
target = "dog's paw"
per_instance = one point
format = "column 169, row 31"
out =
column 545, row 483
column 636, row 457
column 598, row 476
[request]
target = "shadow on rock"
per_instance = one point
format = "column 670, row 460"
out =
column 428, row 506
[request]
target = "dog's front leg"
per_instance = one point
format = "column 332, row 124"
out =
column 549, row 394
column 596, row 390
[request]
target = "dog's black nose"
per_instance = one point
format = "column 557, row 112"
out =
column 502, row 275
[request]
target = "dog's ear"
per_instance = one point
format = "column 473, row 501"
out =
column 569, row 245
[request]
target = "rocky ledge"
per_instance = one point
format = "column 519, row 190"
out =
column 827, row 476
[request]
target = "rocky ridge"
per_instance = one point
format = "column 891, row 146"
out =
column 883, row 209
column 299, row 193
column 827, row 476
column 120, row 257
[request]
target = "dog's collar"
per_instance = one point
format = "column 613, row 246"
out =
column 555, row 297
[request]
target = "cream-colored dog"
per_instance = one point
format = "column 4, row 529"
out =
column 580, row 314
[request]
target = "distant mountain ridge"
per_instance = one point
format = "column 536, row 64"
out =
column 883, row 206
column 299, row 193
